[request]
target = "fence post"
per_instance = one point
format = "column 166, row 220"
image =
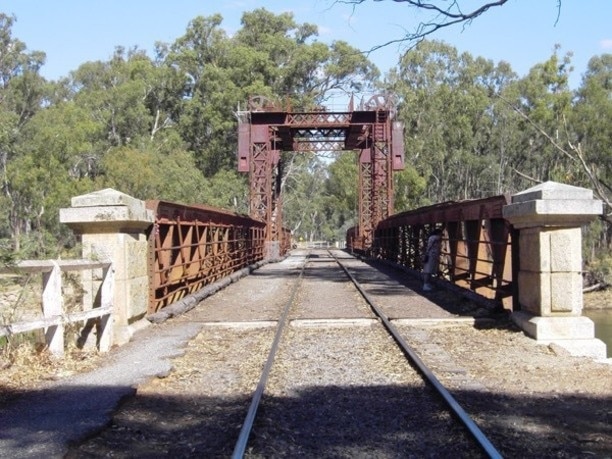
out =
column 113, row 227
column 105, row 332
column 549, row 218
column 52, row 307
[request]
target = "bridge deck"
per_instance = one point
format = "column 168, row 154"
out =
column 500, row 365
column 260, row 296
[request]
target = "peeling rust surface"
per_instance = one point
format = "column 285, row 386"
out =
column 193, row 246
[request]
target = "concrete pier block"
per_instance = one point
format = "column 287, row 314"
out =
column 113, row 226
column 576, row 334
column 549, row 218
column 552, row 204
column 548, row 328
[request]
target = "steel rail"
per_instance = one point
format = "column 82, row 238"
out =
column 465, row 419
column 247, row 425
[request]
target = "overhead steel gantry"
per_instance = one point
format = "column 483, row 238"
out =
column 265, row 130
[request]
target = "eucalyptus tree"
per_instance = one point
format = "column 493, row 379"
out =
column 446, row 102
column 22, row 94
column 21, row 86
column 304, row 197
column 226, row 189
column 287, row 58
column 115, row 92
column 208, row 98
column 53, row 163
column 588, row 139
column 153, row 174
column 408, row 188
column 341, row 189
column 542, row 102
column 591, row 123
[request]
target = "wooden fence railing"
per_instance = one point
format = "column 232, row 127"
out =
column 54, row 317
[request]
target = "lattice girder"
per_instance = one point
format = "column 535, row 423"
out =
column 266, row 131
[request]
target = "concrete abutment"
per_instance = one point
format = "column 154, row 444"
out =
column 549, row 218
column 113, row 225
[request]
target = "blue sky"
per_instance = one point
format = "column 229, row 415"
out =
column 522, row 32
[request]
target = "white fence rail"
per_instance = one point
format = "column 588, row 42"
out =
column 54, row 317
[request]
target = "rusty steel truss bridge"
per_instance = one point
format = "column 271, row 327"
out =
column 266, row 130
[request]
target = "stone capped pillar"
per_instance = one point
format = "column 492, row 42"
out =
column 549, row 218
column 112, row 226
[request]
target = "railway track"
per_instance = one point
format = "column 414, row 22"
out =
column 339, row 371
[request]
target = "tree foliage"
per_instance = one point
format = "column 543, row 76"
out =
column 164, row 126
column 475, row 129
column 160, row 127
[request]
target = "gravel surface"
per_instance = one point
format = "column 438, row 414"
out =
column 343, row 392
column 342, row 388
column 351, row 384
column 531, row 400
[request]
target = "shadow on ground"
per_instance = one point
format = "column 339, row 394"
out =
column 379, row 421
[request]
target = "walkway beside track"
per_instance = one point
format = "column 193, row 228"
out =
column 42, row 423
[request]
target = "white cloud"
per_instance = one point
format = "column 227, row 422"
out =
column 606, row 43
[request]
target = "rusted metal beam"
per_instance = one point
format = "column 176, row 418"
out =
column 266, row 127
column 477, row 250
column 193, row 246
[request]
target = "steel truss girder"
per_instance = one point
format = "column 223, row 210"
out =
column 265, row 200
column 478, row 251
column 318, row 146
column 318, row 133
column 193, row 246
column 319, row 119
column 266, row 131
column 376, row 182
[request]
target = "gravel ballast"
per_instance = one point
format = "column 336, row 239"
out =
column 345, row 390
